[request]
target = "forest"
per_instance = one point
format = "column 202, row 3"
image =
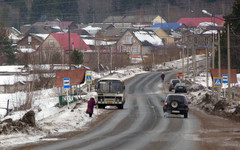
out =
column 18, row 12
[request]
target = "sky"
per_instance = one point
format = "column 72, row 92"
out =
column 55, row 120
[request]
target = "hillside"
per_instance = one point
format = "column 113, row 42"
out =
column 19, row 12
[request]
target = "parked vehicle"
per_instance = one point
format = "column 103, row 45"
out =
column 110, row 92
column 180, row 88
column 176, row 104
column 172, row 83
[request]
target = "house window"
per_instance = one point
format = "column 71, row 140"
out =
column 22, row 47
column 128, row 40
column 123, row 49
column 51, row 43
column 30, row 46
column 164, row 40
column 134, row 49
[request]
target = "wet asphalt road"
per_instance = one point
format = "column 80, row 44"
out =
column 141, row 125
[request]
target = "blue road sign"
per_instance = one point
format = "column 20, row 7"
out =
column 225, row 78
column 88, row 79
column 66, row 83
column 217, row 81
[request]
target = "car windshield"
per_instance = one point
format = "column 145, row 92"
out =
column 175, row 82
column 110, row 86
column 179, row 98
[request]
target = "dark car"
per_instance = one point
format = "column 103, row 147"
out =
column 176, row 104
column 180, row 88
column 172, row 83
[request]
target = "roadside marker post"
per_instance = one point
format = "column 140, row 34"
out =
column 66, row 85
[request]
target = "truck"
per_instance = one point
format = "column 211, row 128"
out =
column 111, row 92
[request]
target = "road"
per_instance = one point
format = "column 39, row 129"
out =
column 140, row 125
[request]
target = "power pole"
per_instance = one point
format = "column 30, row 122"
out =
column 219, row 63
column 206, row 42
column 213, row 51
column 69, row 47
column 229, row 65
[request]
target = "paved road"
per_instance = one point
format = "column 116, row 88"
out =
column 140, row 125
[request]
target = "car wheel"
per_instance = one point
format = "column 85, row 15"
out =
column 186, row 115
column 174, row 104
column 120, row 106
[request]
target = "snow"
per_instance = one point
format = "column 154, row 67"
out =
column 148, row 36
column 57, row 120
column 92, row 30
column 92, row 42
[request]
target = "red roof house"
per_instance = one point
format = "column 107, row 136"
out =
column 75, row 40
column 194, row 22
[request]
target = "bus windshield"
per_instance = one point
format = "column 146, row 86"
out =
column 110, row 86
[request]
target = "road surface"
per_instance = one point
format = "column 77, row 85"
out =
column 140, row 125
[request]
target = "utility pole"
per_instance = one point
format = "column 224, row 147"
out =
column 206, row 42
column 219, row 62
column 69, row 47
column 229, row 65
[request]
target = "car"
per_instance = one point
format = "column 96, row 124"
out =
column 180, row 88
column 176, row 104
column 172, row 83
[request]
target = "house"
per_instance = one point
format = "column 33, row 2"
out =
column 130, row 21
column 37, row 29
column 167, row 27
column 138, row 43
column 56, row 47
column 194, row 22
column 62, row 25
column 14, row 35
column 30, row 42
column 166, row 38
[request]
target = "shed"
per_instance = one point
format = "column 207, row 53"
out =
column 214, row 73
column 76, row 77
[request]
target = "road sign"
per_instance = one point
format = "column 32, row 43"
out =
column 217, row 81
column 225, row 78
column 88, row 79
column 66, row 83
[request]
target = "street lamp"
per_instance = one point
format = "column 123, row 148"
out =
column 219, row 55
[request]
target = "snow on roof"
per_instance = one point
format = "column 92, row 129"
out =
column 92, row 30
column 10, row 80
column 11, row 68
column 26, row 50
column 148, row 36
column 210, row 32
column 206, row 24
column 42, row 36
column 92, row 42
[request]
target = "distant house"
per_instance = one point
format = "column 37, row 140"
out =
column 130, row 21
column 62, row 25
column 194, row 22
column 37, row 29
column 14, row 35
column 168, row 26
column 56, row 47
column 30, row 42
column 138, row 43
column 166, row 38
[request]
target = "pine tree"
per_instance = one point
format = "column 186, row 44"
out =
column 6, row 50
column 233, row 20
column 77, row 57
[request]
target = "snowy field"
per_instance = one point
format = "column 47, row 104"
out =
column 55, row 120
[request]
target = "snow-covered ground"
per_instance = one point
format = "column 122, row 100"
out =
column 55, row 120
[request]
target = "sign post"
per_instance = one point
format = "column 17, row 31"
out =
column 66, row 85
column 89, row 80
column 217, row 81
column 225, row 80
